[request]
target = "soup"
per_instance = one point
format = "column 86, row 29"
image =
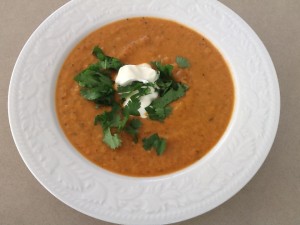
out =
column 198, row 120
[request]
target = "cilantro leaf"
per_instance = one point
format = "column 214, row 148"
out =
column 169, row 90
column 95, row 93
column 161, row 146
column 166, row 80
column 132, row 106
column 144, row 90
column 112, row 140
column 165, row 71
column 133, row 128
column 89, row 78
column 163, row 87
column 112, row 119
column 126, row 91
column 158, row 113
column 106, row 62
column 95, row 82
column 124, row 121
column 137, row 88
column 96, row 87
column 109, row 119
column 135, row 123
column 170, row 96
column 154, row 141
column 182, row 62
column 111, row 63
column 105, row 100
column 159, row 109
column 93, row 67
column 98, row 53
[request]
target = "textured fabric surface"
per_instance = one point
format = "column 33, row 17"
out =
column 272, row 197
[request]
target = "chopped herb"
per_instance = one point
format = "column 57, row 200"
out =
column 154, row 141
column 99, row 53
column 163, row 87
column 133, row 129
column 182, row 62
column 159, row 109
column 170, row 96
column 96, row 85
column 94, row 93
column 95, row 82
column 109, row 119
column 136, row 88
column 123, row 121
column 156, row 113
column 90, row 78
column 113, row 119
column 112, row 140
column 106, row 100
column 126, row 91
column 165, row 71
column 106, row 62
column 132, row 106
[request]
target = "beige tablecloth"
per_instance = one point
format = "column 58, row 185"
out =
column 272, row 197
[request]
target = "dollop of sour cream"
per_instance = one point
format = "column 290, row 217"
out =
column 142, row 73
column 129, row 73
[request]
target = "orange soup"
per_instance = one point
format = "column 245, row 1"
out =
column 198, row 120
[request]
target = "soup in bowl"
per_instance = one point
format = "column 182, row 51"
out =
column 144, row 97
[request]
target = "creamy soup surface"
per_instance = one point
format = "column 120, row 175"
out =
column 198, row 120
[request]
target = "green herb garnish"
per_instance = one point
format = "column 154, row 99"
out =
column 158, row 113
column 133, row 129
column 182, row 62
column 169, row 90
column 132, row 106
column 114, row 122
column 112, row 140
column 137, row 88
column 109, row 120
column 170, row 96
column 164, row 70
column 154, row 141
column 96, row 85
column 107, row 62
column 95, row 81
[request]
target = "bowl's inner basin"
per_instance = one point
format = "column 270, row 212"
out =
column 198, row 120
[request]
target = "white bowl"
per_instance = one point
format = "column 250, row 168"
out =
column 165, row 199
